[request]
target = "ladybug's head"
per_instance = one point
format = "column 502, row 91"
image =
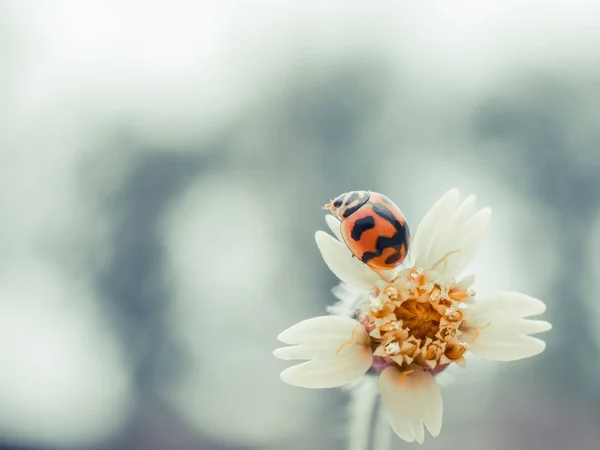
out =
column 344, row 205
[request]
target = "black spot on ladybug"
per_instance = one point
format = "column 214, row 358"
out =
column 384, row 212
column 337, row 203
column 368, row 256
column 350, row 211
column 394, row 257
column 399, row 239
column 362, row 225
column 360, row 198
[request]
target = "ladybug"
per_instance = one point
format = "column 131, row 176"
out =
column 373, row 228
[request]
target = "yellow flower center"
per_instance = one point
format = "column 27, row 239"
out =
column 414, row 321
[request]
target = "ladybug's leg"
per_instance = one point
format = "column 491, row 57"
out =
column 380, row 273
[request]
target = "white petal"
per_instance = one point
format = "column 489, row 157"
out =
column 416, row 425
column 450, row 232
column 465, row 211
column 466, row 282
column 512, row 304
column 334, row 225
column 343, row 264
column 322, row 329
column 472, row 233
column 337, row 347
column 450, row 235
column 305, row 351
column 507, row 347
column 351, row 363
column 462, row 362
column 425, row 234
column 508, row 325
column 411, row 402
column 498, row 326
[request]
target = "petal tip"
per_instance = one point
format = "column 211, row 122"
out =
column 281, row 337
column 320, row 235
column 535, row 305
column 486, row 212
column 279, row 352
column 332, row 220
column 289, row 335
column 286, row 377
column 451, row 196
column 292, row 377
column 541, row 347
column 435, row 432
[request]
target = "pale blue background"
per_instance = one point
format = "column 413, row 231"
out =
column 162, row 168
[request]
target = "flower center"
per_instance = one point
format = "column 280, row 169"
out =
column 414, row 321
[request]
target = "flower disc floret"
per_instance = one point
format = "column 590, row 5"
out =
column 415, row 321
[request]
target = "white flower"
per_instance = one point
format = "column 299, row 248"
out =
column 409, row 324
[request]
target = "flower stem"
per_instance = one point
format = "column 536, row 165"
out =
column 362, row 411
column 382, row 432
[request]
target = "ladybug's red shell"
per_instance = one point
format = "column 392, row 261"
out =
column 373, row 228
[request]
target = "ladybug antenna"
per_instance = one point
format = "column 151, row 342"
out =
column 328, row 206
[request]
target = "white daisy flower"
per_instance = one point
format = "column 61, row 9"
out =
column 410, row 324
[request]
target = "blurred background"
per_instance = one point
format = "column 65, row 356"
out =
column 162, row 169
